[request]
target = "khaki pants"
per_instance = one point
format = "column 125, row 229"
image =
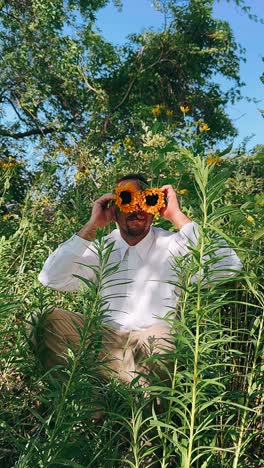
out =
column 122, row 352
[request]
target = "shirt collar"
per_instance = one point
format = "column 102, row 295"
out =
column 141, row 248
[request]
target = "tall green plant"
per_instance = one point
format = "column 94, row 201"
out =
column 202, row 417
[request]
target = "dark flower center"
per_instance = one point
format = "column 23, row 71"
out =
column 152, row 200
column 126, row 197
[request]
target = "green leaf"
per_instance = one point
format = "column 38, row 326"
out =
column 225, row 151
column 257, row 235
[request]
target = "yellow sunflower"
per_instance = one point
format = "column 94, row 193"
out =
column 152, row 200
column 213, row 160
column 126, row 197
column 185, row 109
column 204, row 127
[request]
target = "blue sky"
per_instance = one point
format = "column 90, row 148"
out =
column 137, row 15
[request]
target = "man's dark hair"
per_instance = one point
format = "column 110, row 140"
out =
column 134, row 176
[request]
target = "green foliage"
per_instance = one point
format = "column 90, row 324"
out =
column 95, row 112
column 65, row 88
column 209, row 409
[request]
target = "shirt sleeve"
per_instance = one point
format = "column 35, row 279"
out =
column 76, row 256
column 184, row 239
column 222, row 262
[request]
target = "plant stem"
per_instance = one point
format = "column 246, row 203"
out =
column 197, row 334
column 173, row 383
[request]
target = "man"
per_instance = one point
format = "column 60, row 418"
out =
column 140, row 290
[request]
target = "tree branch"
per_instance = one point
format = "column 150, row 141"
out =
column 34, row 131
column 15, row 110
column 87, row 84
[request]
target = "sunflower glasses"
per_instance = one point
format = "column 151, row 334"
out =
column 128, row 199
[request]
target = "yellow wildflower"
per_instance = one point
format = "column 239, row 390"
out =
column 129, row 199
column 183, row 191
column 78, row 176
column 82, row 171
column 185, row 109
column 213, row 160
column 115, row 147
column 127, row 141
column 169, row 113
column 199, row 122
column 6, row 217
column 46, row 201
column 250, row 219
column 7, row 165
column 157, row 109
column 152, row 200
column 204, row 128
column 126, row 197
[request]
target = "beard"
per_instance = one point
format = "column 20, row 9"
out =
column 137, row 224
column 136, row 230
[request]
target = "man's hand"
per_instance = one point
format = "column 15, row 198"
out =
column 172, row 212
column 101, row 215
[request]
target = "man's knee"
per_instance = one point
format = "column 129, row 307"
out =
column 51, row 314
column 52, row 332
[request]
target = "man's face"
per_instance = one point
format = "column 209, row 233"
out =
column 136, row 223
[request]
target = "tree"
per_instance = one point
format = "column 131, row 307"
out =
column 62, row 82
column 176, row 67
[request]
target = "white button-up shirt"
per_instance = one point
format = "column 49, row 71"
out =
column 140, row 288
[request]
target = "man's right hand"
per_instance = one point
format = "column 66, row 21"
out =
column 101, row 215
column 172, row 212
